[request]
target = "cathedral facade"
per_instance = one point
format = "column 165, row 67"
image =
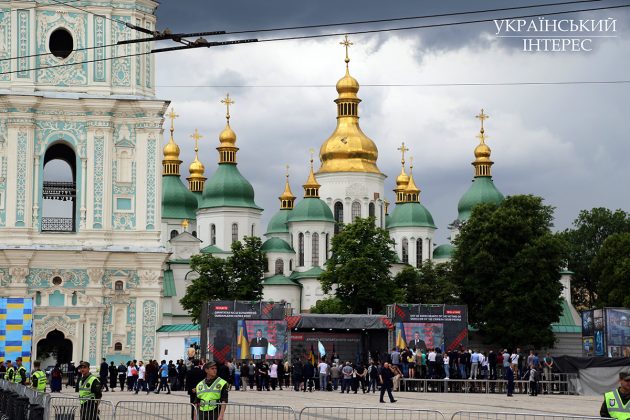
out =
column 80, row 190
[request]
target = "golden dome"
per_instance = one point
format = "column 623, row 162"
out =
column 171, row 162
column 311, row 187
column 348, row 149
column 412, row 192
column 196, row 168
column 287, row 198
column 482, row 161
column 227, row 136
column 227, row 139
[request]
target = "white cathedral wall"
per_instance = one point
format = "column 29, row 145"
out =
column 308, row 228
column 412, row 234
column 312, row 292
column 287, row 293
column 350, row 187
column 223, row 218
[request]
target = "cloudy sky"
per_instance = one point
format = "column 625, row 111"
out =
column 565, row 142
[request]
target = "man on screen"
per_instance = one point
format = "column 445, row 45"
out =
column 258, row 345
column 417, row 342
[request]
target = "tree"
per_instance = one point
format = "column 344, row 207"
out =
column 330, row 305
column 591, row 230
column 239, row 277
column 213, row 283
column 506, row 264
column 611, row 268
column 429, row 283
column 359, row 267
column 247, row 267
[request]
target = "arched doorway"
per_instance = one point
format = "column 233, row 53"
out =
column 55, row 348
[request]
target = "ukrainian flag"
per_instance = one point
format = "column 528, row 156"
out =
column 401, row 342
column 242, row 348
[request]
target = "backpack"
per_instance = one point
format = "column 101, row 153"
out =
column 56, row 373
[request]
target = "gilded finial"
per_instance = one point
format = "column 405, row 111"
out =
column 286, row 173
column 196, row 136
column 287, row 198
column 172, row 115
column 312, row 152
column 410, row 165
column 311, row 188
column 227, row 101
column 346, row 43
column 185, row 225
column 481, row 118
column 403, row 149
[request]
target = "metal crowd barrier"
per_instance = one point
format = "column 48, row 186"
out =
column 559, row 384
column 480, row 415
column 141, row 410
column 69, row 408
column 367, row 413
column 21, row 402
column 249, row 412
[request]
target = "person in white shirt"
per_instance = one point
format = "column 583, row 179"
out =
column 447, row 368
column 323, row 375
column 431, row 363
column 273, row 374
column 142, row 383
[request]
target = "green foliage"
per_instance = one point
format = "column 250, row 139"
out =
column 239, row 277
column 506, row 265
column 429, row 283
column 361, row 257
column 330, row 305
column 584, row 242
column 611, row 267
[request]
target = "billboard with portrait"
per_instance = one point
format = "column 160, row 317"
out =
column 266, row 339
column 618, row 331
column 444, row 326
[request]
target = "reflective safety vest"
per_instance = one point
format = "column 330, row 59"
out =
column 85, row 388
column 20, row 374
column 209, row 396
column 616, row 409
column 10, row 374
column 41, row 380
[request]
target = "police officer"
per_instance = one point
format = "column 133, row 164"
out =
column 211, row 391
column 20, row 372
column 89, row 392
column 10, row 373
column 616, row 403
column 38, row 377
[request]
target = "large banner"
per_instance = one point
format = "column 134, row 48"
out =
column 16, row 330
column 240, row 330
column 429, row 326
column 618, row 332
column 337, row 346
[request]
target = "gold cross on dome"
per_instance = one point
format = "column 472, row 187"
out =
column 287, row 171
column 172, row 115
column 312, row 152
column 196, row 136
column 482, row 117
column 403, row 149
column 346, row 43
column 227, row 101
column 410, row 164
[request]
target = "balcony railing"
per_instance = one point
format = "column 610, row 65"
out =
column 57, row 190
column 57, row 224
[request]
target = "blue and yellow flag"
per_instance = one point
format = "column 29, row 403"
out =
column 401, row 342
column 242, row 343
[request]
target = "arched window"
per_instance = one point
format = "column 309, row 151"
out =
column 338, row 213
column 405, row 251
column 234, row 232
column 38, row 298
column 213, row 234
column 430, row 249
column 253, row 229
column 371, row 210
column 119, row 286
column 174, row 233
column 290, row 265
column 279, row 266
column 301, row 249
column 74, row 298
column 418, row 252
column 356, row 210
column 326, row 246
column 315, row 250
column 59, row 191
column 118, row 346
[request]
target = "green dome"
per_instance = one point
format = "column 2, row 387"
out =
column 276, row 245
column 410, row 215
column 311, row 209
column 482, row 190
column 278, row 223
column 443, row 251
column 228, row 188
column 178, row 202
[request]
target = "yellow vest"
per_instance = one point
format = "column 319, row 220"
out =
column 85, row 388
column 209, row 396
column 10, row 374
column 18, row 374
column 41, row 380
column 616, row 409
